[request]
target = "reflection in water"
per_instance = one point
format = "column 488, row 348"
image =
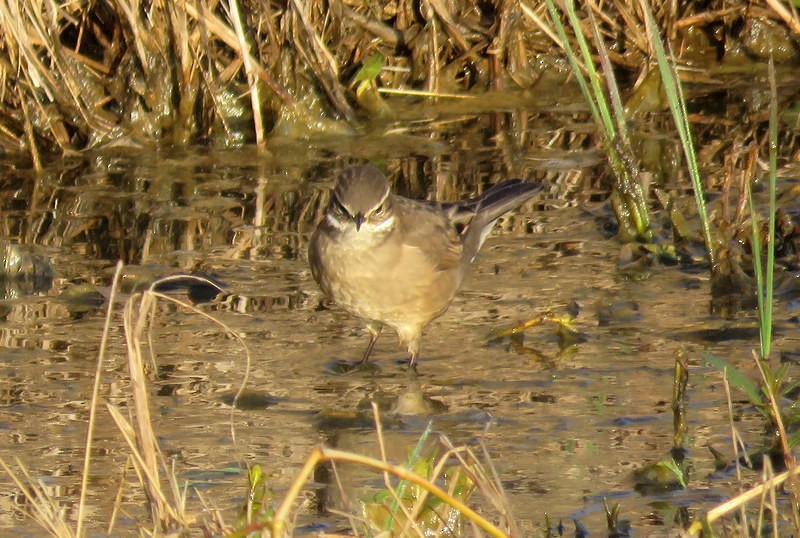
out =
column 244, row 219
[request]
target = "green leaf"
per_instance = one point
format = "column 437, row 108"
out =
column 371, row 68
column 676, row 470
column 794, row 439
column 735, row 377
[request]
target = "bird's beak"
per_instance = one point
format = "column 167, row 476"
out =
column 359, row 221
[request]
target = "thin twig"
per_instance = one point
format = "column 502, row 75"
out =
column 424, row 93
column 790, row 19
column 735, row 442
column 101, row 356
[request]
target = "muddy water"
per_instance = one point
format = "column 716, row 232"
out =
column 566, row 427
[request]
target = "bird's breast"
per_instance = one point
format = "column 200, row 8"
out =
column 389, row 282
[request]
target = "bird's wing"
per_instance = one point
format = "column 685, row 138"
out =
column 428, row 229
column 488, row 207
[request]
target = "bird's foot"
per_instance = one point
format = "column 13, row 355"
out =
column 339, row 366
column 410, row 365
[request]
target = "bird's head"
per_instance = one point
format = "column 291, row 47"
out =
column 361, row 201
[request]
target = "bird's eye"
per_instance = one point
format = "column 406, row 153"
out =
column 379, row 210
column 339, row 207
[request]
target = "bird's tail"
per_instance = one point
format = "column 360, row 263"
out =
column 490, row 206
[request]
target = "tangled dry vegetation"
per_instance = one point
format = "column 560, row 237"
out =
column 89, row 73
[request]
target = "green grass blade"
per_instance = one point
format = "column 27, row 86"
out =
column 758, row 268
column 594, row 77
column 794, row 439
column 735, row 377
column 611, row 83
column 766, row 316
column 677, row 105
column 765, row 275
column 616, row 140
column 411, row 463
column 577, row 70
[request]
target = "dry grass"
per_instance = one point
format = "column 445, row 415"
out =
column 84, row 74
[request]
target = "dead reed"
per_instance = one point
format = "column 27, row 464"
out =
column 87, row 74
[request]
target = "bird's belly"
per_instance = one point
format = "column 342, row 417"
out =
column 400, row 291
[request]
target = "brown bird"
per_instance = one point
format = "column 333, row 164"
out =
column 395, row 261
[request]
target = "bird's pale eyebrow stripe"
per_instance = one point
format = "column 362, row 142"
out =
column 386, row 194
column 336, row 223
column 385, row 224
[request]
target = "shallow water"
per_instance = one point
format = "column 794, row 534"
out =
column 565, row 427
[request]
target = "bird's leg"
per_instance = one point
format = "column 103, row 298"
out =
column 374, row 331
column 413, row 349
